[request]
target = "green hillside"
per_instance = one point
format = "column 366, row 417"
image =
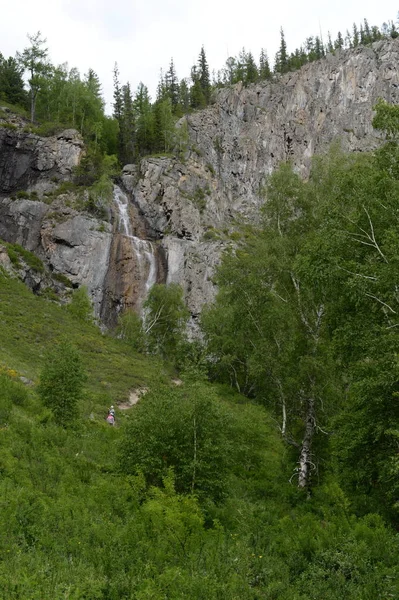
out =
column 188, row 498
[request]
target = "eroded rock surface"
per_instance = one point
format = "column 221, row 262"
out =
column 28, row 161
column 239, row 140
column 190, row 205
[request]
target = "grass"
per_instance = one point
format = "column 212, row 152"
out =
column 30, row 324
column 15, row 252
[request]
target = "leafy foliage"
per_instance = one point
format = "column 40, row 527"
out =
column 61, row 382
column 166, row 316
column 185, row 429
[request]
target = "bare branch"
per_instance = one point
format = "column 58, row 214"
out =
column 357, row 274
column 381, row 302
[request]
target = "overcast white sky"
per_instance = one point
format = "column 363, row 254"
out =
column 142, row 35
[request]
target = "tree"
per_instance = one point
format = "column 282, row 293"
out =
column 61, row 382
column 130, row 328
column 118, row 108
column 251, row 70
column 81, row 306
column 281, row 62
column 339, row 42
column 266, row 330
column 163, row 125
column 145, row 121
column 197, row 97
column 264, row 67
column 128, row 126
column 165, row 319
column 35, row 60
column 203, row 73
column 184, row 96
column 185, row 429
column 172, row 85
column 11, row 82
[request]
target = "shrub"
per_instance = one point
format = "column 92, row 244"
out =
column 23, row 195
column 61, row 382
column 81, row 306
column 186, row 429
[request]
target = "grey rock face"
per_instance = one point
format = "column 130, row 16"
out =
column 190, row 205
column 239, row 140
column 27, row 159
column 79, row 249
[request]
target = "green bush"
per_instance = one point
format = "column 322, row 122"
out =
column 186, row 429
column 61, row 382
column 23, row 195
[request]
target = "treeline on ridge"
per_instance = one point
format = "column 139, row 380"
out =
column 58, row 96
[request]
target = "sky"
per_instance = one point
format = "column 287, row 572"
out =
column 143, row 35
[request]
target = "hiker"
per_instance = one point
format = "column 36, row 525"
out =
column 111, row 416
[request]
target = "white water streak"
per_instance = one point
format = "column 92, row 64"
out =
column 142, row 249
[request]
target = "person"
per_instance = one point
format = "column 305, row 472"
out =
column 111, row 416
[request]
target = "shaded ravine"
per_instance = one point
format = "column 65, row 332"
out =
column 135, row 262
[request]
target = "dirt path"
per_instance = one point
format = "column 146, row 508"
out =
column 134, row 397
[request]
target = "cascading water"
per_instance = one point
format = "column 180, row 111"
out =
column 143, row 251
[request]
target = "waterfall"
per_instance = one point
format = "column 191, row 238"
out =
column 143, row 250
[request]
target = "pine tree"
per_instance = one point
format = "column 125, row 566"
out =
column 252, row 73
column 339, row 42
column 163, row 125
column 128, row 126
column 197, row 97
column 145, row 121
column 318, row 48
column 184, row 96
column 172, row 84
column 281, row 61
column 355, row 36
column 118, row 101
column 203, row 73
column 368, row 37
column 118, row 109
column 264, row 67
column 330, row 47
column 230, row 71
column 162, row 90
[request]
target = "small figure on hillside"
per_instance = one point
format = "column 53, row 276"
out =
column 111, row 416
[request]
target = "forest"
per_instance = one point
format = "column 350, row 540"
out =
column 262, row 460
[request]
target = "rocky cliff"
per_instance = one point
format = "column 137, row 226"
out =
column 191, row 204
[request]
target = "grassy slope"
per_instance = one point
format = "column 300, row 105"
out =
column 30, row 324
column 72, row 526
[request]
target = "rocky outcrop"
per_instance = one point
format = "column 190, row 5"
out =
column 187, row 208
column 30, row 162
column 239, row 140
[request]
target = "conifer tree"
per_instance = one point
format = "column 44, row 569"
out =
column 251, row 71
column 203, row 73
column 355, row 36
column 264, row 67
column 128, row 126
column 281, row 62
column 339, row 42
column 184, row 96
column 330, row 47
column 118, row 108
column 172, row 84
column 197, row 97
column 145, row 122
